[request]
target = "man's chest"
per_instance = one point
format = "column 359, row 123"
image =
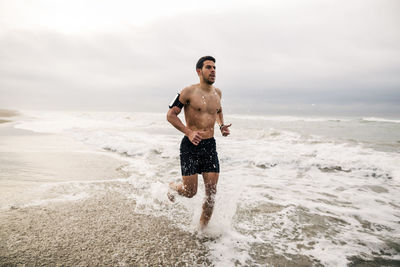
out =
column 209, row 103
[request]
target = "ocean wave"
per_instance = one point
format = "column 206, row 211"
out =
column 278, row 118
column 375, row 119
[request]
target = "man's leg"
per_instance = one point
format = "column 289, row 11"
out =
column 188, row 187
column 210, row 182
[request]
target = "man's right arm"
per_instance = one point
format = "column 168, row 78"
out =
column 172, row 117
column 173, row 112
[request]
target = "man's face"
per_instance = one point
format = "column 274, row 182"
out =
column 208, row 71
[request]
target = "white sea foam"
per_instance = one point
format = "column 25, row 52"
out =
column 374, row 119
column 280, row 192
column 287, row 118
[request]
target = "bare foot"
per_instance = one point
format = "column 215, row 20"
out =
column 171, row 191
column 171, row 195
column 202, row 226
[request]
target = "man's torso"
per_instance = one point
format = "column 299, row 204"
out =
column 202, row 109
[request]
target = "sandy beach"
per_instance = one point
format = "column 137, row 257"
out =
column 5, row 114
column 98, row 231
column 8, row 113
column 44, row 222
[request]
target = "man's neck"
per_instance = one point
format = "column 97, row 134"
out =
column 206, row 87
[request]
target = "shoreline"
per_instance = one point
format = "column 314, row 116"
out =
column 8, row 113
column 32, row 163
column 5, row 113
column 64, row 203
column 80, row 215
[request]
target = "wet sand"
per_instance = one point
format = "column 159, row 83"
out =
column 4, row 113
column 101, row 231
column 8, row 113
column 31, row 161
column 100, row 228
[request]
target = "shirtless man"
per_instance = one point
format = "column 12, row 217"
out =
column 202, row 107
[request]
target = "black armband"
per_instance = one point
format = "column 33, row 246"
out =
column 176, row 102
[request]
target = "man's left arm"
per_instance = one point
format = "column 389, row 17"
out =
column 220, row 117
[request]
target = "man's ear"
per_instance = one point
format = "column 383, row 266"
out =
column 198, row 72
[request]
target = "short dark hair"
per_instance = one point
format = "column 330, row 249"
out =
column 200, row 63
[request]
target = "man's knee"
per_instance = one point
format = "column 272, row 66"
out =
column 210, row 199
column 191, row 193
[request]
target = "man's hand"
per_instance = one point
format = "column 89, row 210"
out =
column 225, row 129
column 195, row 137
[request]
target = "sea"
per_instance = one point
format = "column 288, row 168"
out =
column 291, row 187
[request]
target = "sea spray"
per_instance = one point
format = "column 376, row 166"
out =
column 291, row 189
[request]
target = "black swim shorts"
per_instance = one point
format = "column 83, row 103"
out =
column 200, row 158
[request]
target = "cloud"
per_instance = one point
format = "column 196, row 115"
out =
column 277, row 52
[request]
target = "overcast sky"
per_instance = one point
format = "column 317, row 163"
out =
column 272, row 56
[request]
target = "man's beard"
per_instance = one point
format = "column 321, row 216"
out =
column 208, row 81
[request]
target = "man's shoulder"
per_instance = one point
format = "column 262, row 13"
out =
column 187, row 92
column 190, row 88
column 218, row 91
